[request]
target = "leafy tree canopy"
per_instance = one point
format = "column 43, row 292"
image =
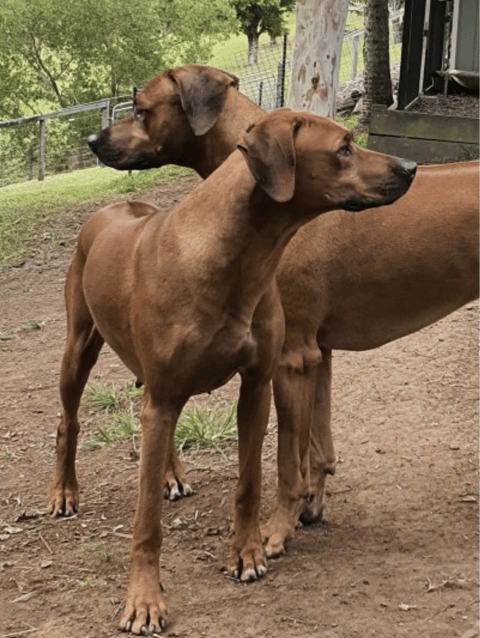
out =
column 263, row 16
column 54, row 53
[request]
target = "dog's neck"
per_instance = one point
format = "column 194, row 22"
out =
column 233, row 247
column 216, row 145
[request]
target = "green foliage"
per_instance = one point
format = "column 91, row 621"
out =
column 352, row 122
column 62, row 52
column 94, row 553
column 200, row 429
column 6, row 455
column 101, row 396
column 263, row 16
column 33, row 325
column 119, row 408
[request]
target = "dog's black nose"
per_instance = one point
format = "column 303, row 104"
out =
column 408, row 167
column 92, row 141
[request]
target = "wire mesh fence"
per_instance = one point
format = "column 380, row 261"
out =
column 31, row 148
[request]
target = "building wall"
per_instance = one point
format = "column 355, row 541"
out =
column 465, row 33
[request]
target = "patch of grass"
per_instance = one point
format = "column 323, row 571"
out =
column 85, row 583
column 351, row 122
column 26, row 209
column 119, row 409
column 33, row 325
column 95, row 552
column 132, row 392
column 119, row 413
column 102, row 396
column 117, row 427
column 202, row 429
column 6, row 455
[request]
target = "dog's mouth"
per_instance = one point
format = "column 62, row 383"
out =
column 122, row 162
column 121, row 157
column 139, row 163
column 356, row 205
column 392, row 189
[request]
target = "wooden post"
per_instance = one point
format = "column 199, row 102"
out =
column 105, row 116
column 316, row 55
column 41, row 149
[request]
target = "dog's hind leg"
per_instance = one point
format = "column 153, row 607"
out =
column 322, row 453
column 294, row 391
column 176, row 482
column 83, row 346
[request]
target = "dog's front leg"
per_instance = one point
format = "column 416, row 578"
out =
column 322, row 453
column 247, row 557
column 145, row 611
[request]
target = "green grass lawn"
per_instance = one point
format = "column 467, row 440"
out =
column 27, row 208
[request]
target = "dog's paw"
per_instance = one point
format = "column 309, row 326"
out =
column 248, row 563
column 145, row 612
column 175, row 490
column 63, row 502
column 278, row 531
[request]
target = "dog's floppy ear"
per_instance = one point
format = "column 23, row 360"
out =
column 203, row 91
column 269, row 150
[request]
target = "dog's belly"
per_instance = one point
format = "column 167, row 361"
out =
column 118, row 336
column 368, row 326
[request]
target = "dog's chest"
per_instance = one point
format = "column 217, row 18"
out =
column 228, row 351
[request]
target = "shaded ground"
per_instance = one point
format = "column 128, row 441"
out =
column 458, row 105
column 397, row 558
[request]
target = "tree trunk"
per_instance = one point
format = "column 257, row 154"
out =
column 316, row 55
column 253, row 47
column 376, row 55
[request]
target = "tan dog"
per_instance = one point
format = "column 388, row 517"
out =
column 190, row 300
column 346, row 282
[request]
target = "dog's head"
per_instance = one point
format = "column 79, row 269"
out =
column 313, row 160
column 172, row 110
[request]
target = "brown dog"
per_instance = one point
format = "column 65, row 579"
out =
column 346, row 282
column 188, row 301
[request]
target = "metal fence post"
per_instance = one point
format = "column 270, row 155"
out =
column 281, row 75
column 354, row 59
column 41, row 149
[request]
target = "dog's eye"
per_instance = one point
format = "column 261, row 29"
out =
column 345, row 150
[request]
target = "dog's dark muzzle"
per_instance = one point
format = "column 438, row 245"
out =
column 118, row 155
column 92, row 141
column 388, row 191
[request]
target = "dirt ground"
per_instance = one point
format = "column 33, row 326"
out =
column 458, row 105
column 398, row 556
